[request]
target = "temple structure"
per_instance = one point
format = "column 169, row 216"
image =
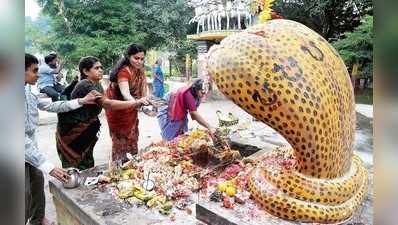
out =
column 216, row 19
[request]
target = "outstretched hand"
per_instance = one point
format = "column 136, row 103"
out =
column 212, row 131
column 143, row 101
column 90, row 98
column 60, row 174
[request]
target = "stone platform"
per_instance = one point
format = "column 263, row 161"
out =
column 96, row 206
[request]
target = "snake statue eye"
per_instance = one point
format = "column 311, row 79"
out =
column 313, row 50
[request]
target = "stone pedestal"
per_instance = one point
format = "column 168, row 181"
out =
column 203, row 42
column 202, row 48
column 188, row 67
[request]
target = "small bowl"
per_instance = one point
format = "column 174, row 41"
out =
column 74, row 180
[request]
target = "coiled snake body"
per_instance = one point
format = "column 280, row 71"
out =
column 290, row 78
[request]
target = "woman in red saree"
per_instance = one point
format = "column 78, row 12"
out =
column 128, row 83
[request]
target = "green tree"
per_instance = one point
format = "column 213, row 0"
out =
column 357, row 46
column 330, row 18
column 167, row 26
column 105, row 28
column 98, row 28
column 36, row 32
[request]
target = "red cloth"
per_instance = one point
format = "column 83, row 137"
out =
column 180, row 103
column 123, row 124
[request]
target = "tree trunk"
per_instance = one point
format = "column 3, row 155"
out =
column 329, row 14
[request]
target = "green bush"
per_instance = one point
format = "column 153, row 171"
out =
column 357, row 47
column 166, row 88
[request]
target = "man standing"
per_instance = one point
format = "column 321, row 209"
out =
column 47, row 82
column 35, row 161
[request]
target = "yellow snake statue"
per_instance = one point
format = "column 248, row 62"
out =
column 289, row 77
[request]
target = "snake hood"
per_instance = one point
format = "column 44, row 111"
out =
column 289, row 77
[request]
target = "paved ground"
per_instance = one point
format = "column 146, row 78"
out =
column 149, row 132
column 366, row 110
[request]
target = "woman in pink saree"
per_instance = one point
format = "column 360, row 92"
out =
column 173, row 118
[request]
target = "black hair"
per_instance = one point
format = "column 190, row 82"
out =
column 86, row 63
column 132, row 49
column 29, row 60
column 197, row 85
column 50, row 57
